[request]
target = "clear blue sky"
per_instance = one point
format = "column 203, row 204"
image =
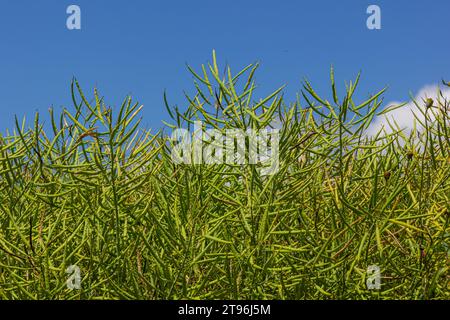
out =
column 140, row 47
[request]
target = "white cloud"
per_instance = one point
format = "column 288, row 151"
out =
column 404, row 116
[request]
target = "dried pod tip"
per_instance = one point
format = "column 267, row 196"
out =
column 387, row 175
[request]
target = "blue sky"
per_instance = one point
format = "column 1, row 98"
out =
column 141, row 47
